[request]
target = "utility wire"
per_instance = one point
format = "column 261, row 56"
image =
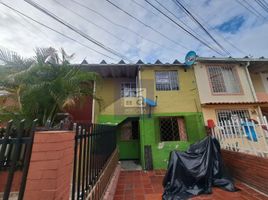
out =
column 120, row 26
column 146, row 25
column 148, row 10
column 36, row 28
column 249, row 8
column 218, row 34
column 185, row 30
column 202, row 27
column 253, row 8
column 165, row 8
column 84, row 35
column 262, row 5
column 91, row 22
column 44, row 25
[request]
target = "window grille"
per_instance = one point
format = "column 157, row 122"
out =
column 232, row 115
column 172, row 129
column 166, row 80
column 223, row 79
column 128, row 89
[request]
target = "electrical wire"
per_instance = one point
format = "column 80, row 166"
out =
column 254, row 11
column 218, row 34
column 202, row 27
column 62, row 34
column 91, row 22
column 146, row 25
column 185, row 30
column 262, row 5
column 165, row 8
column 121, row 26
column 71, row 27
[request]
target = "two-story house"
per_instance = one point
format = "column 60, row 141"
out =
column 258, row 69
column 225, row 89
column 155, row 106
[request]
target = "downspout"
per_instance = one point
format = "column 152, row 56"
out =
column 141, row 120
column 93, row 103
column 140, row 88
column 250, row 83
column 253, row 90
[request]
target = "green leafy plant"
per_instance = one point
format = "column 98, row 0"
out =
column 43, row 85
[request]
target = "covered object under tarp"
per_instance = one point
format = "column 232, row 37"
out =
column 196, row 171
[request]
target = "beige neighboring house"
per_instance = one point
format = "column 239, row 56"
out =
column 259, row 76
column 225, row 89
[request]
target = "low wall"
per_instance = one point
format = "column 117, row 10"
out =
column 50, row 170
column 250, row 169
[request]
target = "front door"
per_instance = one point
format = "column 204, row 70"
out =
column 129, row 140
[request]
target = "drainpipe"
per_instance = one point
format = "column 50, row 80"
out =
column 93, row 103
column 250, row 83
column 141, row 120
column 140, row 87
column 253, row 90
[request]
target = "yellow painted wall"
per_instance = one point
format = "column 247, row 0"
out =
column 108, row 90
column 183, row 100
column 205, row 92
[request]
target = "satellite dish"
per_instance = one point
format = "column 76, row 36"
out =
column 190, row 58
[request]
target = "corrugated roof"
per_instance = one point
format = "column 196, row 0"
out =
column 139, row 62
column 121, row 62
column 103, row 62
column 84, row 62
column 158, row 62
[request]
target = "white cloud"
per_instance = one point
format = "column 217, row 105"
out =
column 22, row 36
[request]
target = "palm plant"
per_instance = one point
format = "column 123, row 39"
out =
column 44, row 85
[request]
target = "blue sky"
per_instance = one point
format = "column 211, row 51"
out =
column 234, row 27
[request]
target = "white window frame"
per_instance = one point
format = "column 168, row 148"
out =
column 167, row 83
column 235, row 114
column 124, row 89
column 223, row 79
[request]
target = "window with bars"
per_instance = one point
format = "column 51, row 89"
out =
column 166, row 80
column 223, row 79
column 172, row 129
column 128, row 89
column 232, row 115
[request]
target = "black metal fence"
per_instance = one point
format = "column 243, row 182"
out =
column 94, row 144
column 15, row 153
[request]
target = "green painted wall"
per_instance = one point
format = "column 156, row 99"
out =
column 150, row 135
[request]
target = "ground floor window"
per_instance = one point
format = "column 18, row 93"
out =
column 232, row 115
column 172, row 129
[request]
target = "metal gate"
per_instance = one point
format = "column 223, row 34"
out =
column 15, row 153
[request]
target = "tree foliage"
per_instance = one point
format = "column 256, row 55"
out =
column 45, row 86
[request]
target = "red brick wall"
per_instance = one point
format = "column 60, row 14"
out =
column 250, row 169
column 16, row 180
column 50, row 168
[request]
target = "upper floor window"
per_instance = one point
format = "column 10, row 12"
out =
column 128, row 89
column 166, row 80
column 224, row 79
